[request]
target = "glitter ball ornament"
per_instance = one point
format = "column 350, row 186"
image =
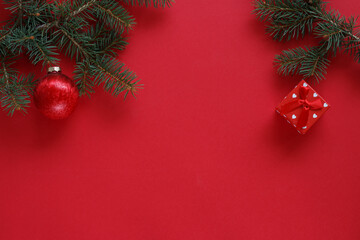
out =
column 56, row 95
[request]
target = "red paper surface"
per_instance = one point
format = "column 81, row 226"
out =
column 200, row 154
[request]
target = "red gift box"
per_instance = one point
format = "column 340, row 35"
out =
column 302, row 107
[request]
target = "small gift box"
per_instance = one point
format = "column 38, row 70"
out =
column 302, row 107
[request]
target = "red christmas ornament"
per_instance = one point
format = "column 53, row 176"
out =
column 56, row 95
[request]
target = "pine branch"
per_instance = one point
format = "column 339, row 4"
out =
column 14, row 98
column 43, row 52
column 115, row 77
column 284, row 28
column 27, row 12
column 315, row 63
column 106, row 41
column 289, row 19
column 38, row 47
column 309, row 62
column 112, row 14
column 5, row 73
column 4, row 35
column 75, row 13
column 69, row 41
column 289, row 62
column 155, row 3
column 273, row 9
column 81, row 7
column 338, row 22
column 15, row 90
column 26, row 82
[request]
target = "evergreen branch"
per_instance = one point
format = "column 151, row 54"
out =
column 336, row 22
column 27, row 83
column 43, row 55
column 309, row 62
column 115, row 77
column 84, row 79
column 315, row 63
column 285, row 28
column 155, row 3
column 11, row 101
column 42, row 51
column 27, row 12
column 108, row 45
column 47, row 25
column 5, row 73
column 14, row 98
column 70, row 12
column 89, row 31
column 4, row 36
column 68, row 39
column 81, row 8
column 106, row 41
column 291, row 18
column 120, row 81
column 73, row 41
column 15, row 91
column 38, row 48
column 288, row 19
column 273, row 9
column 113, row 14
column 289, row 61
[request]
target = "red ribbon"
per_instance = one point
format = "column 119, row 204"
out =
column 304, row 104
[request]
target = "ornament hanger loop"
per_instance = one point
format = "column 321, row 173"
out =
column 54, row 69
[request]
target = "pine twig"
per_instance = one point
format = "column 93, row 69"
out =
column 289, row 19
column 81, row 9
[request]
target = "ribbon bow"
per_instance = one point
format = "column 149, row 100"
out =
column 304, row 104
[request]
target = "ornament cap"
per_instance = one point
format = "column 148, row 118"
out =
column 54, row 69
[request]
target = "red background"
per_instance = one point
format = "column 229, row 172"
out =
column 200, row 154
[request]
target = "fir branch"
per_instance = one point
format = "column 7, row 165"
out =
column 291, row 29
column 15, row 90
column 3, row 37
column 106, row 41
column 38, row 47
column 273, row 9
column 68, row 39
column 289, row 62
column 27, row 12
column 75, row 13
column 14, row 98
column 338, row 22
column 115, row 77
column 155, row 3
column 43, row 53
column 84, row 78
column 26, row 82
column 81, row 7
column 5, row 73
column 11, row 101
column 309, row 62
column 110, row 45
column 113, row 14
column 315, row 63
column 290, row 19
